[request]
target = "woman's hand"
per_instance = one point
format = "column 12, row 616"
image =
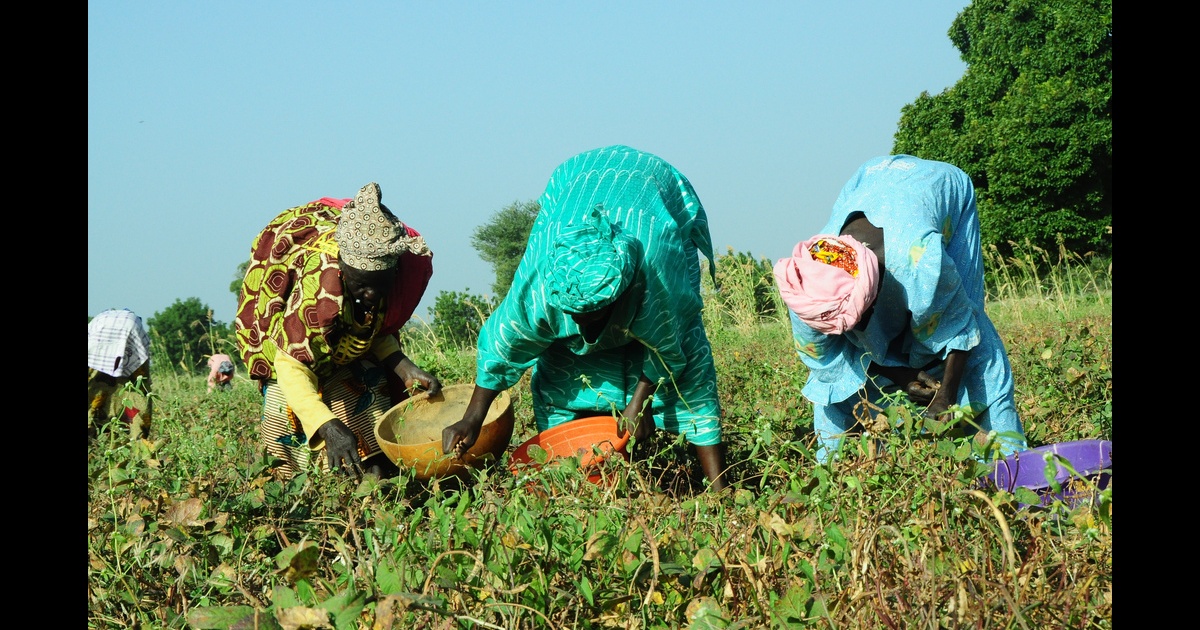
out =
column 414, row 378
column 637, row 421
column 922, row 389
column 937, row 411
column 461, row 435
column 918, row 384
column 341, row 447
column 636, row 415
column 947, row 393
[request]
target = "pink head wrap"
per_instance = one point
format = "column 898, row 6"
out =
column 829, row 293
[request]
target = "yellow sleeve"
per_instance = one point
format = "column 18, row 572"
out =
column 384, row 346
column 299, row 387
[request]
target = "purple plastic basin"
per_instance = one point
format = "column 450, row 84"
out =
column 1090, row 458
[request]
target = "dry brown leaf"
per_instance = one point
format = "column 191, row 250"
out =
column 775, row 523
column 303, row 618
column 185, row 512
column 593, row 548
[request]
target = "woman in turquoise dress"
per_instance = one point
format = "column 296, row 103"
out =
column 605, row 308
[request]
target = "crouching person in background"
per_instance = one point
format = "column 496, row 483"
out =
column 220, row 372
column 119, row 373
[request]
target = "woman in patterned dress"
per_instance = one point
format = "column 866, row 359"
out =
column 329, row 285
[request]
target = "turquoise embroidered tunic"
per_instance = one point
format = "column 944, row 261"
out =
column 655, row 327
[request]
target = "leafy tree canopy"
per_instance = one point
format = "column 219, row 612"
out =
column 501, row 241
column 235, row 287
column 458, row 317
column 1030, row 121
column 184, row 335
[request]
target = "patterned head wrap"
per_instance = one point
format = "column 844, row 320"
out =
column 591, row 264
column 370, row 237
column 829, row 282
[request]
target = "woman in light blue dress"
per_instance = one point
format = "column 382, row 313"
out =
column 921, row 327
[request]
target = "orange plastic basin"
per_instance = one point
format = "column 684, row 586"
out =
column 581, row 438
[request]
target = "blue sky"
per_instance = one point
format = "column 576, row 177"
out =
column 206, row 119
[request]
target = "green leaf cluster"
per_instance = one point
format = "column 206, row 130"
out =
column 1030, row 121
column 184, row 335
column 501, row 241
column 458, row 317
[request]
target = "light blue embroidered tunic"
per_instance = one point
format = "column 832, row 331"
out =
column 655, row 328
column 931, row 300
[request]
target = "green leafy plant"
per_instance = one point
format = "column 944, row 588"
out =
column 192, row 529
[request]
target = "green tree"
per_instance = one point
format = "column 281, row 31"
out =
column 1030, row 121
column 457, row 317
column 501, row 241
column 235, row 287
column 184, row 335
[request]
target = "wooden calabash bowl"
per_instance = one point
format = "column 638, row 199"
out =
column 410, row 433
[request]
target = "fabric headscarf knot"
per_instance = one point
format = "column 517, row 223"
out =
column 370, row 237
column 829, row 282
column 591, row 264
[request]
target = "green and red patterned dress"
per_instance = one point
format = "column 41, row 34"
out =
column 291, row 303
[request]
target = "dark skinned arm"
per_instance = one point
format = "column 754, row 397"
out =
column 947, row 394
column 461, row 435
column 712, row 458
column 712, row 461
column 896, row 374
column 918, row 384
column 414, row 377
column 341, row 447
column 637, row 413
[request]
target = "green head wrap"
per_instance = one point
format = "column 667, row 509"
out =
column 591, row 264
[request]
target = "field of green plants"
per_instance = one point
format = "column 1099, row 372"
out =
column 190, row 529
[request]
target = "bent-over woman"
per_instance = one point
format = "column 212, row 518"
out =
column 605, row 307
column 329, row 285
column 890, row 295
